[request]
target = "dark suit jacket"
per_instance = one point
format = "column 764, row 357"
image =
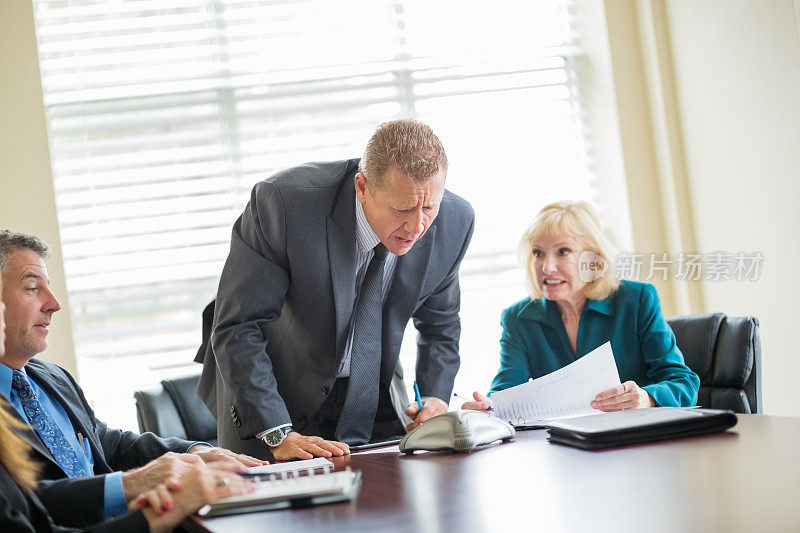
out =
column 286, row 295
column 21, row 511
column 79, row 501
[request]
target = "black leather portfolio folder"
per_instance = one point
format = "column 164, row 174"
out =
column 635, row 426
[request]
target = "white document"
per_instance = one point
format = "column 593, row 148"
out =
column 564, row 393
column 280, row 468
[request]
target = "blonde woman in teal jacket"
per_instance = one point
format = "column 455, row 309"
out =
column 577, row 305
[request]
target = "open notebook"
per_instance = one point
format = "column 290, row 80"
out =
column 290, row 489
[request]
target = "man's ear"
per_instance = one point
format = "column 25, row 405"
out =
column 361, row 187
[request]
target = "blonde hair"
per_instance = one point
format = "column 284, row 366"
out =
column 580, row 221
column 406, row 144
column 14, row 451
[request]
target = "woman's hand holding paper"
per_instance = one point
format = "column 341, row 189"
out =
column 625, row 396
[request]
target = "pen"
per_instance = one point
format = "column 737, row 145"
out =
column 84, row 442
column 490, row 408
column 416, row 393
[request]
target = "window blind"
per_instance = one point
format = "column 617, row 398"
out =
column 163, row 114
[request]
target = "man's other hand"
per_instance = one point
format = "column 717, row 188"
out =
column 297, row 446
column 430, row 407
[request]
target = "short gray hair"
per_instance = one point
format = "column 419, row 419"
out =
column 11, row 241
column 406, row 144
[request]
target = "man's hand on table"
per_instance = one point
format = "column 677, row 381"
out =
column 430, row 407
column 297, row 446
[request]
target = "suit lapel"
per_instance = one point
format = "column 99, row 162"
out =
column 62, row 391
column 342, row 257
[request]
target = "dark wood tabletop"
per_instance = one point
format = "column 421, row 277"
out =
column 745, row 479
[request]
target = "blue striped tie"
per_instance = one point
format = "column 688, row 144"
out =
column 46, row 428
column 361, row 400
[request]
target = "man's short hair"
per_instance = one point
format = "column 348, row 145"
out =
column 11, row 241
column 406, row 144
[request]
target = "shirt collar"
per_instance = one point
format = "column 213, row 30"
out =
column 543, row 310
column 6, row 375
column 604, row 306
column 365, row 237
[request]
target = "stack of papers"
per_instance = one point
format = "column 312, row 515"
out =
column 290, row 466
column 564, row 393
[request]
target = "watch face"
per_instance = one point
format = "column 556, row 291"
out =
column 274, row 438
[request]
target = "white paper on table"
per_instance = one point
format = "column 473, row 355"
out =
column 564, row 393
column 280, row 468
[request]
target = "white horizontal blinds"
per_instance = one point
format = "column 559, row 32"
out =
column 163, row 114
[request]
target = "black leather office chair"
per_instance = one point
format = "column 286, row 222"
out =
column 726, row 353
column 175, row 410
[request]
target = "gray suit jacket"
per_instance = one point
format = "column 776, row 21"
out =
column 286, row 296
column 79, row 501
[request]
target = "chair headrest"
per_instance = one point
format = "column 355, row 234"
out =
column 197, row 419
column 697, row 337
column 737, row 336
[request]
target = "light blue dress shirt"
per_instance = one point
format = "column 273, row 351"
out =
column 534, row 343
column 114, row 503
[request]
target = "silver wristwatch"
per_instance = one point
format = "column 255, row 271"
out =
column 275, row 437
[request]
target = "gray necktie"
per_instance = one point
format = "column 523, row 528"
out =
column 361, row 401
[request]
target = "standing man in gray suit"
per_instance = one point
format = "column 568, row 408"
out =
column 328, row 263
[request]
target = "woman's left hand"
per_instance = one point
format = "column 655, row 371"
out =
column 626, row 396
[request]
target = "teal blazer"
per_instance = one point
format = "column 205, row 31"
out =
column 534, row 343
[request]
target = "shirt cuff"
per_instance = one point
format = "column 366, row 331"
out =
column 261, row 435
column 192, row 445
column 114, row 503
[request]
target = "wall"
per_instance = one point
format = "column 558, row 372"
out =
column 707, row 96
column 736, row 70
column 27, row 201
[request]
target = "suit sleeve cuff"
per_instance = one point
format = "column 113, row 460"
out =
column 114, row 503
column 261, row 435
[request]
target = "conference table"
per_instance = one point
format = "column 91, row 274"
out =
column 744, row 479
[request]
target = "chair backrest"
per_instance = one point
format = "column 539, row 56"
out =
column 726, row 353
column 175, row 410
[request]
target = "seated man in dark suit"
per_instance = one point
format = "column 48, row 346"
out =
column 81, row 457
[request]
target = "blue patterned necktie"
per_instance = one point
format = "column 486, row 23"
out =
column 46, row 428
column 361, row 399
